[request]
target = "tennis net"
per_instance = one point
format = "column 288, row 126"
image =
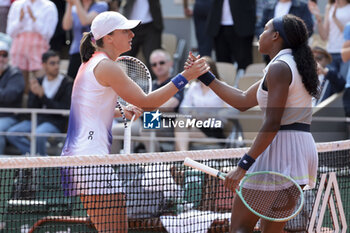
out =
column 76, row 194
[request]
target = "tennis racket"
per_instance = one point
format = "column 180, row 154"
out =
column 269, row 195
column 140, row 74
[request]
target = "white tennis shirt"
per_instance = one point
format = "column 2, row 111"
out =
column 298, row 107
column 92, row 112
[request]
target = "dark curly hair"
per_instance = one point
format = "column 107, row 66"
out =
column 297, row 35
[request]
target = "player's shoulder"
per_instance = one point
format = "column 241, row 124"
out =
column 17, row 3
column 279, row 66
column 107, row 66
column 279, row 71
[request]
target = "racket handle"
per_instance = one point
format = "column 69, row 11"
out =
column 127, row 137
column 222, row 175
column 132, row 119
column 206, row 169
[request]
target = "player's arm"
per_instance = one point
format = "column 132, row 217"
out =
column 84, row 16
column 345, row 51
column 242, row 100
column 67, row 21
column 323, row 27
column 108, row 73
column 187, row 11
column 278, row 80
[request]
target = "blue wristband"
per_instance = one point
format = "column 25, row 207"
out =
column 246, row 162
column 179, row 81
column 206, row 78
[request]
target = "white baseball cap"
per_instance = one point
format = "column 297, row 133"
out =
column 108, row 21
column 4, row 46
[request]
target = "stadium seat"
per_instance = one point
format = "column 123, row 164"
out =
column 255, row 68
column 247, row 80
column 250, row 122
column 227, row 72
column 169, row 42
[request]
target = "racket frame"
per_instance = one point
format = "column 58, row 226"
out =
column 216, row 173
column 247, row 176
column 127, row 128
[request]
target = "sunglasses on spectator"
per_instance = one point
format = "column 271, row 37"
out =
column 159, row 63
column 52, row 63
column 5, row 54
column 319, row 57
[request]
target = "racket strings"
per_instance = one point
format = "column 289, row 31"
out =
column 271, row 196
column 138, row 72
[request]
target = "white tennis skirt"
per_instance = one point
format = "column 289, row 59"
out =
column 292, row 153
column 92, row 180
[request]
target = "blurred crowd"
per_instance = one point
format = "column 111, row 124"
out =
column 36, row 34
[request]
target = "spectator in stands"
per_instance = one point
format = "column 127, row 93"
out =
column 331, row 28
column 200, row 99
column 161, row 63
column 330, row 80
column 260, row 5
column 283, row 7
column 6, row 38
column 31, row 24
column 78, row 17
column 11, row 91
column 148, row 35
column 200, row 14
column 58, row 40
column 53, row 91
column 345, row 53
column 4, row 10
column 113, row 5
column 232, row 23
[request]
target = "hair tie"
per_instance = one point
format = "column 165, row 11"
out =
column 278, row 26
column 92, row 37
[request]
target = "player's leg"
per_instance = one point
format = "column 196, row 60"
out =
column 277, row 227
column 242, row 219
column 181, row 139
column 271, row 227
column 107, row 212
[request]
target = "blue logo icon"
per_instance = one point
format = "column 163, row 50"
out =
column 151, row 120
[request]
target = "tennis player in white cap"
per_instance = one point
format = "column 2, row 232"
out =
column 100, row 80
